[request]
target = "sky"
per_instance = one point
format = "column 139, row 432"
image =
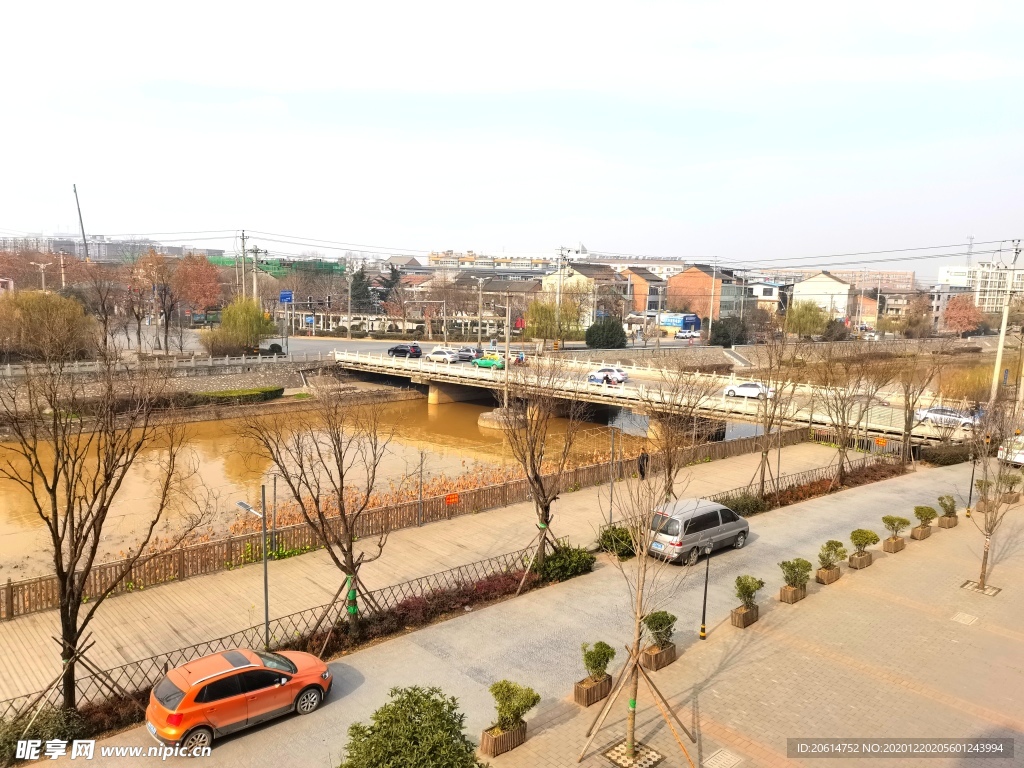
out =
column 753, row 133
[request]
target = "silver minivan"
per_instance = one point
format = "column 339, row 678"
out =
column 684, row 528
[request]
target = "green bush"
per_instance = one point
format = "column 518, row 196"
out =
column 597, row 659
column 796, row 572
column 925, row 515
column 564, row 563
column 895, row 524
column 948, row 504
column 238, row 396
column 832, row 552
column 52, row 723
column 746, row 504
column 862, row 539
column 512, row 702
column 616, row 540
column 1009, row 480
column 661, row 625
column 983, row 486
column 606, row 333
column 945, row 455
column 418, row 726
column 746, row 589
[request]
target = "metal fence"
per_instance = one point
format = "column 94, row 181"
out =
column 174, row 363
column 140, row 675
column 18, row 598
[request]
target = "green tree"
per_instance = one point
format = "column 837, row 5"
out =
column 805, row 318
column 419, row 727
column 362, row 301
column 541, row 320
column 835, row 330
column 728, row 332
column 242, row 327
column 606, row 333
column 44, row 327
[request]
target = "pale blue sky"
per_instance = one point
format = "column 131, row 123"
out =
column 748, row 131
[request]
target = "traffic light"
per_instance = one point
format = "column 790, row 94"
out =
column 328, row 301
column 309, row 301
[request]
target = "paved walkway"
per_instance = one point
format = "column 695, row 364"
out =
column 143, row 624
column 874, row 655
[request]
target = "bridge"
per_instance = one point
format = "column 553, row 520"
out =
column 449, row 383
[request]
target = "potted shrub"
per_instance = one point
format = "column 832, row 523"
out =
column 1010, row 481
column 746, row 591
column 512, row 702
column 948, row 518
column 895, row 525
column 925, row 515
column 660, row 625
column 831, row 553
column 861, row 540
column 796, row 572
column 598, row 683
column 983, row 486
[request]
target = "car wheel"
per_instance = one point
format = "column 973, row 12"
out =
column 390, row 353
column 741, row 539
column 691, row 559
column 730, row 393
column 308, row 701
column 760, row 395
column 200, row 738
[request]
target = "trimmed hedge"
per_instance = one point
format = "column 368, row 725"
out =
column 237, row 396
column 945, row 455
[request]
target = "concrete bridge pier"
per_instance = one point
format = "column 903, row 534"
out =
column 452, row 393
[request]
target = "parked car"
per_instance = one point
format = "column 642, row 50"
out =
column 468, row 354
column 749, row 389
column 1012, row 452
column 443, row 355
column 405, row 350
column 869, row 401
column 685, row 333
column 607, row 376
column 946, row 417
column 226, row 692
column 683, row 529
column 490, row 360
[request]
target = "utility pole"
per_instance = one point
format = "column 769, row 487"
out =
column 243, row 264
column 558, row 301
column 42, row 271
column 657, row 322
column 480, row 314
column 711, row 308
column 255, row 286
column 81, row 225
column 970, row 249
column 508, row 323
column 63, row 282
column 1002, row 327
column 348, row 277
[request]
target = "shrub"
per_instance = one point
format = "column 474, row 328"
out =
column 895, row 524
column 983, row 486
column 597, row 659
column 948, row 504
column 564, row 563
column 238, row 396
column 606, row 333
column 418, row 726
column 616, row 540
column 831, row 552
column 945, row 455
column 512, row 702
column 661, row 625
column 746, row 504
column 746, row 589
column 52, row 723
column 862, row 539
column 925, row 515
column 1010, row 481
column 796, row 572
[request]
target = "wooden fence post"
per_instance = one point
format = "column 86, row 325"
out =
column 181, row 565
column 9, row 600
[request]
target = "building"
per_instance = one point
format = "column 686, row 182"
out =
column 867, row 279
column 6, row 284
column 532, row 262
column 707, row 291
column 646, row 289
column 832, row 294
column 989, row 280
column 867, row 311
column 588, row 287
column 764, row 295
column 663, row 268
column 100, row 247
column 939, row 298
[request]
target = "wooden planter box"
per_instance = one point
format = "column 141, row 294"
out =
column 921, row 532
column 860, row 559
column 587, row 691
column 894, row 545
column 743, row 617
column 1011, row 498
column 828, row 575
column 948, row 521
column 492, row 744
column 792, row 595
column 982, row 506
column 653, row 658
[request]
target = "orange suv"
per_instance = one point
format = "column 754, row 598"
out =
column 229, row 691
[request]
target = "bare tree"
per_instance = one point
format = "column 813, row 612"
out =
column 541, row 396
column 914, row 374
column 72, row 446
column 329, row 457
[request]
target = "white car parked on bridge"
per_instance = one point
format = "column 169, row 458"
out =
column 749, row 389
column 607, row 376
column 443, row 355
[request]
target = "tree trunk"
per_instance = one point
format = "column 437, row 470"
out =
column 543, row 520
column 167, row 331
column 764, row 464
column 138, row 334
column 69, row 643
column 634, row 686
column 984, row 562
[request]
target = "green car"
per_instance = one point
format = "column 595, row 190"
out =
column 487, row 361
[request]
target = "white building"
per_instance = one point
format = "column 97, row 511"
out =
column 833, row 295
column 988, row 279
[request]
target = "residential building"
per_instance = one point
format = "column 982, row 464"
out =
column 533, row 262
column 939, row 298
column 646, row 289
column 893, row 280
column 989, row 280
column 831, row 293
column 867, row 311
column 587, row 286
column 763, row 295
column 663, row 268
column 707, row 291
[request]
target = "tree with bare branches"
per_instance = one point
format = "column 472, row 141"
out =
column 915, row 372
column 329, row 457
column 72, row 446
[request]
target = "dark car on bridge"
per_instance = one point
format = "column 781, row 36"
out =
column 405, row 350
column 469, row 354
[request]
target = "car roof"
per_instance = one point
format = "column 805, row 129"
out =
column 197, row 671
column 684, row 508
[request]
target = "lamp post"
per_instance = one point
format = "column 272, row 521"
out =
column 266, row 585
column 970, row 489
column 480, row 314
column 704, row 610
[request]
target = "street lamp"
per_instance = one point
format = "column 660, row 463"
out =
column 704, row 611
column 970, row 490
column 263, row 548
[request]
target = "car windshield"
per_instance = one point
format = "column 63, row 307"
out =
column 665, row 524
column 276, row 661
column 168, row 694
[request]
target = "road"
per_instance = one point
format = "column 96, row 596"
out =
column 535, row 639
